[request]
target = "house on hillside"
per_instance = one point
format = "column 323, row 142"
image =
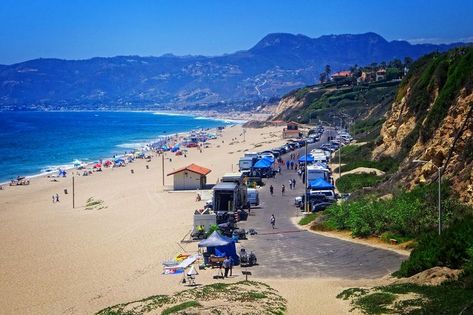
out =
column 291, row 130
column 342, row 75
column 190, row 177
column 381, row 74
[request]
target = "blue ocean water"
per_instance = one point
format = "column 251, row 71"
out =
column 34, row 141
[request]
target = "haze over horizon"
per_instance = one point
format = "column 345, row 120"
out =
column 54, row 29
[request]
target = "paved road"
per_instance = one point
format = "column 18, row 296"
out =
column 290, row 252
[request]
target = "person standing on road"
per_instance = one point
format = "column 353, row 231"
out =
column 271, row 190
column 293, row 183
column 283, row 189
column 290, row 184
column 273, row 220
column 292, row 164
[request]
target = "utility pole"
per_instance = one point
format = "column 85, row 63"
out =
column 73, row 193
column 306, row 180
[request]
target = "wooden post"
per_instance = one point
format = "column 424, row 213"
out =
column 163, row 167
column 73, row 193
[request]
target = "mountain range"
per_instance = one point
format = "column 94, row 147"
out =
column 275, row 65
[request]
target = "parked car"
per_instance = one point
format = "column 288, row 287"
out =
column 321, row 206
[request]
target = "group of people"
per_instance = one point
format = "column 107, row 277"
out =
column 292, row 184
column 55, row 198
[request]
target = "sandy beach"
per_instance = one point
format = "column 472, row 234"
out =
column 59, row 260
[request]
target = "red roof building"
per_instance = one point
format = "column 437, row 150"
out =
column 190, row 177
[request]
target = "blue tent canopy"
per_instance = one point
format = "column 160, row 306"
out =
column 263, row 163
column 221, row 245
column 309, row 158
column 118, row 161
column 320, row 184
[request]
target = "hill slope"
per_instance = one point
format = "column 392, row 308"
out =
column 365, row 105
column 275, row 65
column 432, row 119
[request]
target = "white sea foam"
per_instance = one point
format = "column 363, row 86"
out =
column 169, row 114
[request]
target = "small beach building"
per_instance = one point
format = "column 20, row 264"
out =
column 291, row 130
column 190, row 177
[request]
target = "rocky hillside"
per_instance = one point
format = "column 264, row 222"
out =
column 364, row 104
column 431, row 119
column 275, row 65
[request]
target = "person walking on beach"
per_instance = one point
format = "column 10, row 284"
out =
column 273, row 220
column 57, row 197
column 54, row 199
column 271, row 190
column 231, row 266
column 283, row 189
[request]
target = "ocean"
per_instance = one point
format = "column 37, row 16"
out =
column 32, row 142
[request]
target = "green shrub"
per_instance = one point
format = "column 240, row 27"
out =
column 408, row 214
column 453, row 249
column 351, row 182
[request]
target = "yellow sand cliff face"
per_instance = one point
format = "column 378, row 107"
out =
column 400, row 121
column 288, row 103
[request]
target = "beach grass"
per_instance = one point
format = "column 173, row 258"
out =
column 246, row 296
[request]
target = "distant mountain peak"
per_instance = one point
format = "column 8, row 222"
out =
column 280, row 39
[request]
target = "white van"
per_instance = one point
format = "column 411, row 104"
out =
column 330, row 194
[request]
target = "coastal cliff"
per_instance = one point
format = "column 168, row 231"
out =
column 431, row 119
column 364, row 105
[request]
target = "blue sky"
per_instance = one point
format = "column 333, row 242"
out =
column 84, row 29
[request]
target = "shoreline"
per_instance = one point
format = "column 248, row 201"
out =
column 139, row 145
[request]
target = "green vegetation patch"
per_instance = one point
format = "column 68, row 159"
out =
column 449, row 298
column 307, row 218
column 244, row 297
column 179, row 307
column 93, row 204
column 453, row 248
column 407, row 215
column 352, row 182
